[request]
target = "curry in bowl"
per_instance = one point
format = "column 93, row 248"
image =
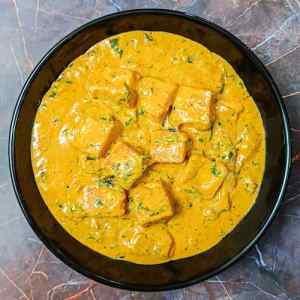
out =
column 148, row 148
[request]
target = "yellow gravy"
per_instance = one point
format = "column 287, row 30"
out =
column 148, row 148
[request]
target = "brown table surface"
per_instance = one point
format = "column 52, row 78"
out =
column 28, row 28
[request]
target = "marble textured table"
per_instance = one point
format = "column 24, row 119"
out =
column 28, row 28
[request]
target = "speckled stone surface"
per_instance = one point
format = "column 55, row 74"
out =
column 28, row 28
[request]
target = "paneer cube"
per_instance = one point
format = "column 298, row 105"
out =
column 201, row 178
column 194, row 106
column 153, row 242
column 151, row 202
column 103, row 201
column 227, row 113
column 138, row 137
column 221, row 202
column 200, row 138
column 248, row 141
column 155, row 98
column 94, row 136
column 118, row 85
column 125, row 163
column 190, row 170
column 210, row 178
column 220, row 147
column 168, row 147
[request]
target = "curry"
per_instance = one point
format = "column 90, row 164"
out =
column 148, row 148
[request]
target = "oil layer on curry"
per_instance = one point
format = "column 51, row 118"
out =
column 148, row 148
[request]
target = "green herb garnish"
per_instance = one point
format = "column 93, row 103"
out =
column 148, row 37
column 98, row 202
column 106, row 118
column 61, row 206
column 91, row 158
column 241, row 84
column 140, row 112
column 228, row 156
column 114, row 44
column 214, row 170
column 106, row 181
column 52, row 94
column 222, row 88
column 172, row 129
column 128, row 122
column 126, row 94
column 191, row 191
column 141, row 206
column 189, row 60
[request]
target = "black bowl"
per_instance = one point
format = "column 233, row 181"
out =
column 182, row 272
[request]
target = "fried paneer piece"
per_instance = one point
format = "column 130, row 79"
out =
column 138, row 137
column 248, row 140
column 114, row 84
column 155, row 98
column 227, row 113
column 201, row 177
column 210, row 178
column 124, row 163
column 94, row 136
column 194, row 106
column 220, row 147
column 90, row 128
column 103, row 201
column 199, row 137
column 151, row 202
column 221, row 201
column 154, row 241
column 168, row 147
column 190, row 170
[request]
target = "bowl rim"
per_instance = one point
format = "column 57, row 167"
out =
column 286, row 148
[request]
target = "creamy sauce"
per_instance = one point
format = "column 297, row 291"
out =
column 148, row 148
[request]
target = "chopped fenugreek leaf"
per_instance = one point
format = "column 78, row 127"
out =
column 114, row 44
column 98, row 202
column 106, row 181
column 189, row 59
column 128, row 122
column 214, row 170
column 222, row 88
column 172, row 129
column 52, row 94
column 140, row 112
column 91, row 158
column 148, row 37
